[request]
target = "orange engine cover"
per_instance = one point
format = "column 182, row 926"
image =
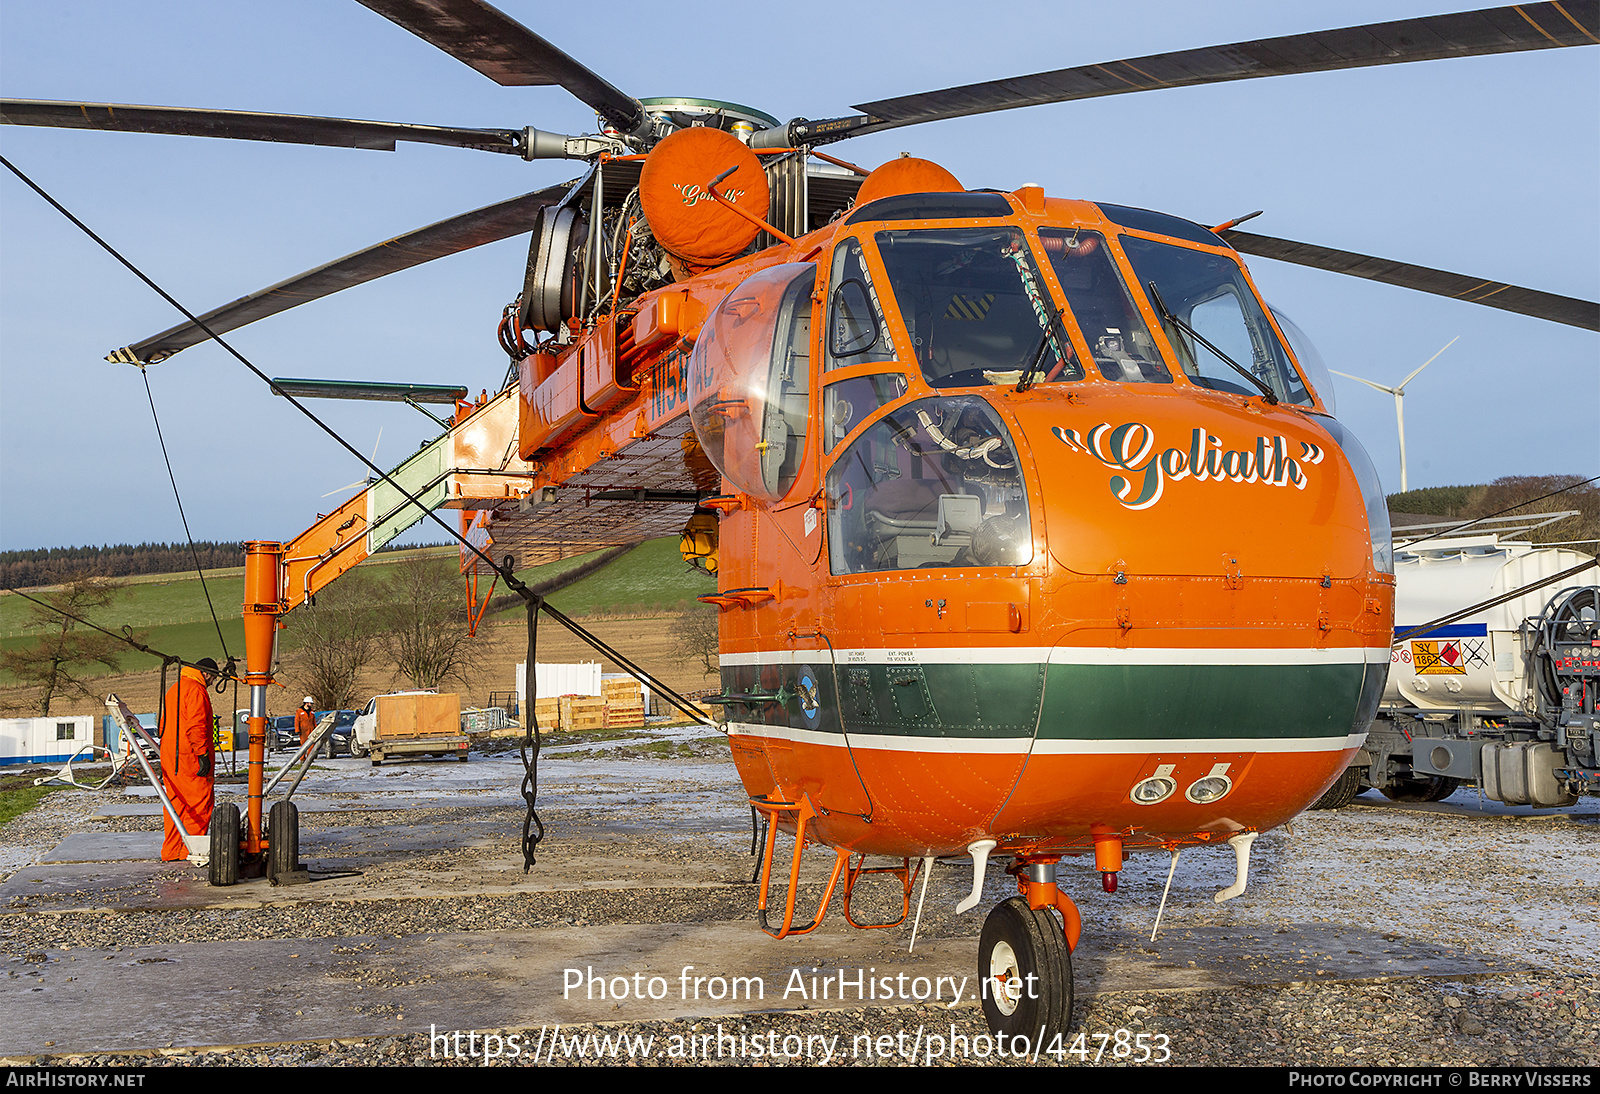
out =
column 687, row 220
column 906, row 175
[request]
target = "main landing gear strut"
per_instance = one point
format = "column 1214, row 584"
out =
column 1025, row 958
column 1025, row 950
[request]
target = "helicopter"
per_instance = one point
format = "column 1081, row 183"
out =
column 1014, row 560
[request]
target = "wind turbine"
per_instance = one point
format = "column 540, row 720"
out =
column 1399, row 393
column 360, row 482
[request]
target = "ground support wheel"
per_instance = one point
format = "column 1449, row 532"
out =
column 1342, row 792
column 1418, row 788
column 1025, row 969
column 224, row 867
column 283, row 846
column 283, row 841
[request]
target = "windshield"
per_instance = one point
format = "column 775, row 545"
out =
column 1209, row 293
column 1115, row 334
column 975, row 306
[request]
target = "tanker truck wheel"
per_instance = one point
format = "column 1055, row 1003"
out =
column 1445, row 786
column 1419, row 788
column 1342, row 792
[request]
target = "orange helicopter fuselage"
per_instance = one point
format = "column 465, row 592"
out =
column 1185, row 588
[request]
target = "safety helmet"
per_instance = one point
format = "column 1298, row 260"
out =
column 307, row 701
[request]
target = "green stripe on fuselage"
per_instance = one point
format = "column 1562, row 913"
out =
column 1080, row 702
column 1128, row 702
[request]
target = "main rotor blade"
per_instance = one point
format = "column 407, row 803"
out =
column 459, row 233
column 1461, row 34
column 509, row 53
column 1495, row 294
column 243, row 125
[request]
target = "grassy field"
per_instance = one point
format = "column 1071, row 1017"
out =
column 651, row 577
column 18, row 795
column 172, row 608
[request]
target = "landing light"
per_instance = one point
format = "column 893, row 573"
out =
column 1155, row 789
column 1209, row 789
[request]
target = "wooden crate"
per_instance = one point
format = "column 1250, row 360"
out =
column 616, row 688
column 403, row 717
column 625, row 714
column 547, row 713
column 579, row 712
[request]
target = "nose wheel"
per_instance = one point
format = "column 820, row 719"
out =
column 1025, row 968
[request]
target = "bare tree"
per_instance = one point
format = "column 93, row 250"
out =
column 334, row 639
column 424, row 620
column 697, row 637
column 60, row 662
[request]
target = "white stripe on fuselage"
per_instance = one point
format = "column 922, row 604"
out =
column 1001, row 746
column 1066, row 655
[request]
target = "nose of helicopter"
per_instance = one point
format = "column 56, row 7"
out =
column 1198, row 488
column 1218, row 618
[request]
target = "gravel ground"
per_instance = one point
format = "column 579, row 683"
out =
column 1520, row 894
column 1522, row 1021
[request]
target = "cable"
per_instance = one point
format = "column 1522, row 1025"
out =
column 1463, row 613
column 181, row 515
column 126, row 636
column 1507, row 509
column 532, row 826
column 535, row 603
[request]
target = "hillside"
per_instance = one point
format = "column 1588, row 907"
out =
column 1464, row 503
column 173, row 611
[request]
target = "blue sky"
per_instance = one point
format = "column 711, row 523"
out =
column 1487, row 166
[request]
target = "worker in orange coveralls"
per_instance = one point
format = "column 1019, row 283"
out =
column 305, row 720
column 187, row 760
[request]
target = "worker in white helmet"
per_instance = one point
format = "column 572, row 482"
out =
column 304, row 720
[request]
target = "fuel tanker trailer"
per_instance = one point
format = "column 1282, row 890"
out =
column 1504, row 697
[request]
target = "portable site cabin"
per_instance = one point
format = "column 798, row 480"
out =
column 44, row 740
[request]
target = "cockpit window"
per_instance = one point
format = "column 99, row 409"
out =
column 933, row 483
column 856, row 331
column 1160, row 224
column 941, row 206
column 1112, row 327
column 975, row 306
column 1209, row 293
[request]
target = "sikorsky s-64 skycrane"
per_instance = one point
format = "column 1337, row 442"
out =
column 1033, row 534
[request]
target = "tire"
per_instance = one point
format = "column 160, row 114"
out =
column 224, row 867
column 1443, row 788
column 1419, row 788
column 1342, row 792
column 1027, row 950
column 283, row 840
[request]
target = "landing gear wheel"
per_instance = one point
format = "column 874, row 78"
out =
column 1342, row 792
column 1025, row 970
column 283, row 840
column 1420, row 788
column 224, row 867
